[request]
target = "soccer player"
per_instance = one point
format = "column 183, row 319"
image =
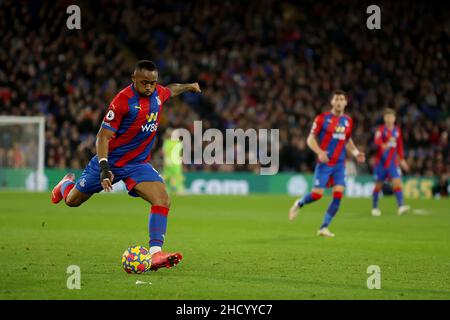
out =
column 173, row 166
column 123, row 146
column 390, row 158
column 330, row 138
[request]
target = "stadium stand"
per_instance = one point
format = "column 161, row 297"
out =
column 261, row 64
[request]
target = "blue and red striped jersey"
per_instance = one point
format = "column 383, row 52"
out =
column 333, row 132
column 134, row 121
column 392, row 139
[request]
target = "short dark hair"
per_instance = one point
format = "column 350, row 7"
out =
column 145, row 65
column 389, row 111
column 338, row 92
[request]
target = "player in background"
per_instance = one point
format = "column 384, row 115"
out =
column 390, row 157
column 330, row 138
column 123, row 147
column 173, row 165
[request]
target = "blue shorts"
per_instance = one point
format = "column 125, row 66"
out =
column 131, row 174
column 381, row 173
column 327, row 176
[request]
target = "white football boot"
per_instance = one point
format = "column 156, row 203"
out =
column 403, row 209
column 324, row 232
column 376, row 212
column 293, row 211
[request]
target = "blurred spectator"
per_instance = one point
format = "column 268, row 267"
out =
column 441, row 188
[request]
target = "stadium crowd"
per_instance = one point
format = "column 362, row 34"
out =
column 261, row 64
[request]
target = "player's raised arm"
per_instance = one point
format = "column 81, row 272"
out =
column 351, row 148
column 179, row 88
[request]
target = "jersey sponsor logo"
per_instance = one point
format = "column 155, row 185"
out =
column 110, row 115
column 339, row 133
column 392, row 143
column 152, row 116
column 152, row 127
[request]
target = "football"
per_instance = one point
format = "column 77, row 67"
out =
column 136, row 259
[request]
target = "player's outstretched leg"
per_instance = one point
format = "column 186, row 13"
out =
column 62, row 189
column 157, row 228
column 65, row 190
column 397, row 187
column 375, row 197
column 156, row 194
column 331, row 212
column 314, row 195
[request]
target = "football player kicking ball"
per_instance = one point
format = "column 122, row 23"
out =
column 390, row 158
column 329, row 138
column 123, row 146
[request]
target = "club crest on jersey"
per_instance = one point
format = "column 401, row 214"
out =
column 110, row 115
column 82, row 182
column 158, row 101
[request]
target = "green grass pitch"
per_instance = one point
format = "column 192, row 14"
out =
column 234, row 247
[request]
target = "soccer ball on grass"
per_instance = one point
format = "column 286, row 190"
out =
column 136, row 259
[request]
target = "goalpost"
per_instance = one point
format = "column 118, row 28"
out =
column 22, row 153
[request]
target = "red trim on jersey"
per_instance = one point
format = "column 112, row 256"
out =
column 350, row 127
column 157, row 121
column 400, row 149
column 379, row 142
column 318, row 124
column 379, row 136
column 129, row 135
column 117, row 109
column 391, row 150
column 164, row 93
column 398, row 189
column 337, row 151
column 132, row 154
column 340, row 145
column 331, row 127
column 389, row 158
